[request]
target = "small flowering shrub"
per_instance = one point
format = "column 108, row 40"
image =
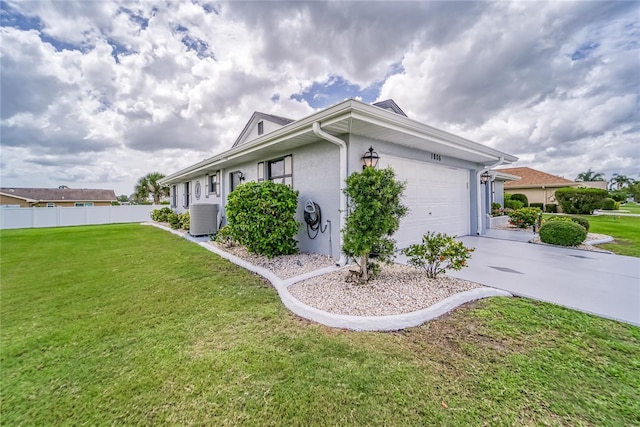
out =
column 524, row 217
column 438, row 253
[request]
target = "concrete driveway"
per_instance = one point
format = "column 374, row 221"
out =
column 600, row 283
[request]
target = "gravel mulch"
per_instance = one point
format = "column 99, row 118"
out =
column 398, row 289
column 283, row 266
column 536, row 238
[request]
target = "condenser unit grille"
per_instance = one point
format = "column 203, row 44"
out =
column 203, row 220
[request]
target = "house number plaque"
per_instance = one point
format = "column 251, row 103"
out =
column 436, row 157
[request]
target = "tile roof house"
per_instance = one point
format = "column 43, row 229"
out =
column 538, row 186
column 315, row 154
column 62, row 196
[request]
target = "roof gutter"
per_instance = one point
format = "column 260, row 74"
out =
column 317, row 130
column 480, row 194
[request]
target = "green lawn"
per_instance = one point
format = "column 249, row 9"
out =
column 632, row 207
column 131, row 325
column 624, row 229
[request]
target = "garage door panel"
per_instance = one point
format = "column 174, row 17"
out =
column 437, row 196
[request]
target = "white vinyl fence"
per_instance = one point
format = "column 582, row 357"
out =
column 61, row 217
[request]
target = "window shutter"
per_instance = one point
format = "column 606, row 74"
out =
column 206, row 186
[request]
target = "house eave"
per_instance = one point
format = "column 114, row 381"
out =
column 338, row 119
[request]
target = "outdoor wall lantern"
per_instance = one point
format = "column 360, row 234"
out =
column 370, row 159
column 485, row 177
column 240, row 176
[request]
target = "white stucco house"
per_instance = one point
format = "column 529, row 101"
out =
column 315, row 154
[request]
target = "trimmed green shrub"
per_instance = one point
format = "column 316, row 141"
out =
column 551, row 208
column 524, row 217
column 582, row 221
column 161, row 215
column 537, row 205
column 438, row 253
column 610, row 204
column 495, row 206
column 562, row 233
column 575, row 219
column 580, row 200
column 513, row 204
column 261, row 217
column 522, row 198
column 185, row 220
column 619, row 195
column 174, row 220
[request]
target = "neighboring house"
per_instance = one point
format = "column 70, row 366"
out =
column 538, row 186
column 55, row 197
column 315, row 155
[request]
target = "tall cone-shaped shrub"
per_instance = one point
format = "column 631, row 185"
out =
column 375, row 209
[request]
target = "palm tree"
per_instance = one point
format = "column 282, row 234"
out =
column 148, row 185
column 619, row 181
column 590, row 176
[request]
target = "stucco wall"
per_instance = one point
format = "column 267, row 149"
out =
column 316, row 176
column 13, row 201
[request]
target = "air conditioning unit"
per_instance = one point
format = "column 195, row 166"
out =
column 203, row 220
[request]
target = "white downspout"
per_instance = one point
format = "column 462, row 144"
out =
column 478, row 191
column 343, row 178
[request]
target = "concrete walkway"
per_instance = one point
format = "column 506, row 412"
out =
column 600, row 283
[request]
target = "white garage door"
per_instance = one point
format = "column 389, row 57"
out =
column 437, row 196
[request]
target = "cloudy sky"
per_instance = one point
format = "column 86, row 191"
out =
column 96, row 94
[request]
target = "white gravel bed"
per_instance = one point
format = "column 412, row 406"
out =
column 583, row 246
column 398, row 289
column 283, row 266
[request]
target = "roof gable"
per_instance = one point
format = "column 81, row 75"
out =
column 250, row 130
column 534, row 178
column 390, row 105
column 60, row 194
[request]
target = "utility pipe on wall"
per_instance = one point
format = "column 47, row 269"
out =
column 479, row 187
column 317, row 130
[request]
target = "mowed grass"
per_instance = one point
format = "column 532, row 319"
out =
column 631, row 207
column 624, row 229
column 130, row 325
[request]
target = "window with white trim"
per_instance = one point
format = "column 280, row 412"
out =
column 260, row 128
column 185, row 196
column 281, row 170
column 174, row 196
column 83, row 204
column 214, row 183
column 51, row 205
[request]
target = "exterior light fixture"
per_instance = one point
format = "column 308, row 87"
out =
column 240, row 176
column 485, row 177
column 370, row 159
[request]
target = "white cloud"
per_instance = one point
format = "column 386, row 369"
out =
column 101, row 93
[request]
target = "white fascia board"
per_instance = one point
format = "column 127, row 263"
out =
column 412, row 127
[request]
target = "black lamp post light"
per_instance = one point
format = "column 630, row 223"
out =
column 370, row 159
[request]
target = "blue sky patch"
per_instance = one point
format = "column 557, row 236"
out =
column 336, row 89
column 584, row 51
column 200, row 47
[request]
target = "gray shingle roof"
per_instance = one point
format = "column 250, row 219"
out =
column 61, row 194
column 390, row 104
